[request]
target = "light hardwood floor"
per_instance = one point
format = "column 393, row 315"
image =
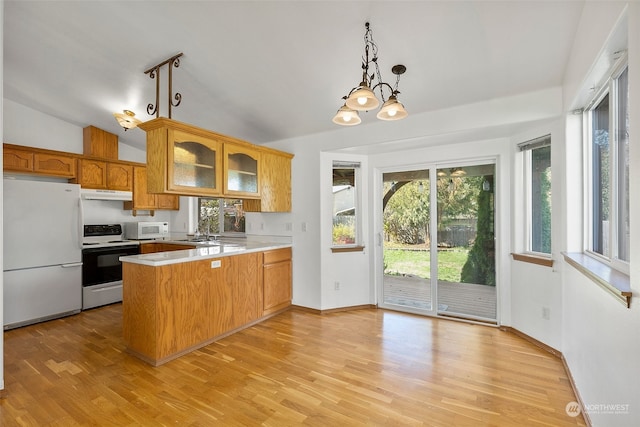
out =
column 362, row 367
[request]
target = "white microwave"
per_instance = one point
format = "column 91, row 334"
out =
column 146, row 230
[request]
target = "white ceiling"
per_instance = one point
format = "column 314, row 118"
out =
column 270, row 70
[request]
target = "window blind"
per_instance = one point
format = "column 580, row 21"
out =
column 531, row 144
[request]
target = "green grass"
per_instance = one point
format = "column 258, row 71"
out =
column 417, row 263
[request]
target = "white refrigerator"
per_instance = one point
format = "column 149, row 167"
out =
column 42, row 268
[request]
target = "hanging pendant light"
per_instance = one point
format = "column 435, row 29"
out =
column 346, row 117
column 392, row 110
column 363, row 98
column 127, row 119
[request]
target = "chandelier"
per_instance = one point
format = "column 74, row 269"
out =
column 127, row 119
column 363, row 98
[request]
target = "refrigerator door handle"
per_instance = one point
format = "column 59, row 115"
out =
column 80, row 222
column 71, row 265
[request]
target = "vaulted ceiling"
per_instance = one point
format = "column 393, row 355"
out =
column 270, row 70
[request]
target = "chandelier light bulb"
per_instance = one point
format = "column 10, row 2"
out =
column 362, row 100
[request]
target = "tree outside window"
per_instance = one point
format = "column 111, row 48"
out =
column 220, row 216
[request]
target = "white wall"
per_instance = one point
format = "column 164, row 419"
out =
column 1, row 209
column 599, row 335
column 535, row 287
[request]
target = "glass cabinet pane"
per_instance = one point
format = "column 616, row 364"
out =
column 242, row 173
column 194, row 165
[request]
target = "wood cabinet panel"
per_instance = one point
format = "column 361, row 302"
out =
column 221, row 297
column 182, row 318
column 92, row 173
column 275, row 185
column 277, row 255
column 153, row 247
column 139, row 305
column 168, row 202
column 40, row 162
column 247, row 291
column 143, row 200
column 99, row 143
column 119, row 176
column 16, row 160
column 56, row 165
column 276, row 280
column 277, row 285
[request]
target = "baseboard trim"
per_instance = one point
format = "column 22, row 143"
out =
column 585, row 415
column 532, row 340
column 560, row 356
column 334, row 310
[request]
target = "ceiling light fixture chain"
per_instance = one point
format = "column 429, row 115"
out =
column 362, row 97
column 154, row 73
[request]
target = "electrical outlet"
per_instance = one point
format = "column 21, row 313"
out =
column 304, row 226
column 336, row 285
column 288, row 226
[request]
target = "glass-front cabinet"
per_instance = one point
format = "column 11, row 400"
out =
column 241, row 171
column 194, row 163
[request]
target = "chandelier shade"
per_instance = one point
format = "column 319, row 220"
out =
column 127, row 119
column 392, row 110
column 347, row 117
column 363, row 97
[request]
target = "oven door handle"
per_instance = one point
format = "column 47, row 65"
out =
column 71, row 265
column 108, row 288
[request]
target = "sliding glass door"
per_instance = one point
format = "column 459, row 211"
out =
column 438, row 241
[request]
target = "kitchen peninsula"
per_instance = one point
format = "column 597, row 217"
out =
column 177, row 301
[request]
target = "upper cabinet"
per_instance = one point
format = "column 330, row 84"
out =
column 38, row 161
column 187, row 160
column 99, row 143
column 181, row 160
column 105, row 175
column 143, row 200
column 275, row 184
column 241, row 171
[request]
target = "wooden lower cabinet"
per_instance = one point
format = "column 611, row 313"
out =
column 247, row 289
column 276, row 280
column 173, row 309
column 153, row 247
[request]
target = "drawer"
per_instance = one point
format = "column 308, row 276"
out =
column 277, row 255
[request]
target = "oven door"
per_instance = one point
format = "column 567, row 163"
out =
column 102, row 265
column 102, row 275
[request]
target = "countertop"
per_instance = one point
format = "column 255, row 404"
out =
column 204, row 250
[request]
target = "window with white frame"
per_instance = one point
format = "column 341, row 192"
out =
column 537, row 170
column 220, row 216
column 345, row 230
column 607, row 166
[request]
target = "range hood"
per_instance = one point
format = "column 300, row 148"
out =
column 92, row 194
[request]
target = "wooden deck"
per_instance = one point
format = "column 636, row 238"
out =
column 453, row 298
